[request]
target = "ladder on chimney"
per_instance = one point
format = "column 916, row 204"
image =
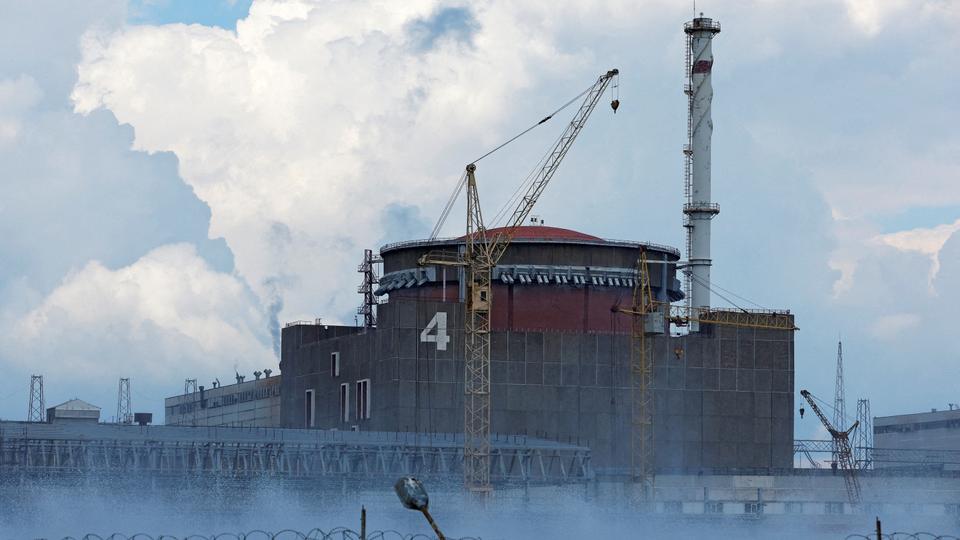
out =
column 688, row 167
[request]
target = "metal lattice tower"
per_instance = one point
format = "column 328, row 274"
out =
column 36, row 408
column 476, row 409
column 863, row 440
column 482, row 250
column 642, row 444
column 698, row 207
column 190, row 387
column 124, row 410
column 839, row 403
column 369, row 307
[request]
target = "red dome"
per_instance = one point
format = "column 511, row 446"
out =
column 542, row 232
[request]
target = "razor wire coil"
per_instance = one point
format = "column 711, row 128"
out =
column 338, row 533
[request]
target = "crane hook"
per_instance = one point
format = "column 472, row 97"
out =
column 802, row 410
column 615, row 104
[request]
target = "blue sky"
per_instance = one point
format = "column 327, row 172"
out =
column 184, row 175
column 222, row 13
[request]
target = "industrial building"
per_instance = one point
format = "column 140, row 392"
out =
column 573, row 322
column 74, row 409
column 560, row 360
column 253, row 403
column 906, row 440
column 560, row 333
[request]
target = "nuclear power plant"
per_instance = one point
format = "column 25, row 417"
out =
column 561, row 345
column 530, row 355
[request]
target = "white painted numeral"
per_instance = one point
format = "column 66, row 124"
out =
column 438, row 322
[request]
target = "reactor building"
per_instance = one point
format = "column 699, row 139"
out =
column 560, row 354
column 560, row 342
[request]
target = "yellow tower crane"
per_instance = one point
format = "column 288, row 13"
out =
column 651, row 317
column 482, row 251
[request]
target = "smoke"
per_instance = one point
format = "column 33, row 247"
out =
column 205, row 506
column 274, row 307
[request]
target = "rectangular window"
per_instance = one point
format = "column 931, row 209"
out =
column 834, row 508
column 672, row 507
column 335, row 364
column 344, row 402
column 713, row 507
column 794, row 508
column 753, row 508
column 363, row 399
column 309, row 404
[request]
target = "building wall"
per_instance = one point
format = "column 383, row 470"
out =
column 723, row 398
column 248, row 404
column 938, row 430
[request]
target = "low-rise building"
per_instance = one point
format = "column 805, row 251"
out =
column 253, row 403
column 76, row 410
column 935, row 433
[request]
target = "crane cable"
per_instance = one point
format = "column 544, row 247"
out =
column 449, row 206
column 824, row 406
column 707, row 285
column 710, row 286
column 463, row 178
column 544, row 120
column 522, row 188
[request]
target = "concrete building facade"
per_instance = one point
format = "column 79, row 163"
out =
column 723, row 396
column 248, row 404
column 930, row 431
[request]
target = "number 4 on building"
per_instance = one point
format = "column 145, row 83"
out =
column 438, row 323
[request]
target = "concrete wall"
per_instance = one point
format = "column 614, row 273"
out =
column 938, row 430
column 248, row 404
column 723, row 398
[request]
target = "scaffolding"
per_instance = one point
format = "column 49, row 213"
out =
column 370, row 278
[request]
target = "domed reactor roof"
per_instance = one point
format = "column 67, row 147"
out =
column 549, row 279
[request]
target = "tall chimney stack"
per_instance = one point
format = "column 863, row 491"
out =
column 698, row 209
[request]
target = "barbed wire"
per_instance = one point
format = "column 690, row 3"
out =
column 339, row 533
column 903, row 536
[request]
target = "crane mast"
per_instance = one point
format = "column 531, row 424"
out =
column 642, row 449
column 641, row 364
column 841, row 440
column 481, row 254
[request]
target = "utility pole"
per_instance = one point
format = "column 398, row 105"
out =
column 36, row 408
column 839, row 405
column 124, row 410
column 864, row 436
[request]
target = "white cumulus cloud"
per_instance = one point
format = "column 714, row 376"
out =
column 302, row 128
column 164, row 317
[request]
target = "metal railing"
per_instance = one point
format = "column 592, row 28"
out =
column 701, row 23
column 700, row 206
column 600, row 241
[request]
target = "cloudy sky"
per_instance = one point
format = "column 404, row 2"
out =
column 178, row 177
